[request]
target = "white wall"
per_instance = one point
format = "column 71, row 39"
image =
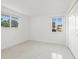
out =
column 67, row 30
column 13, row 36
column 41, row 30
column 72, row 36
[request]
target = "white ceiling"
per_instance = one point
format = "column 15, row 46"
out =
column 39, row 7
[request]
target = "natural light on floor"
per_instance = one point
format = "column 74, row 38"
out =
column 56, row 56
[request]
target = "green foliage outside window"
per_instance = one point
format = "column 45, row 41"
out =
column 5, row 21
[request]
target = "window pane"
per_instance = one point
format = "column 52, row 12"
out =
column 57, row 24
column 14, row 22
column 5, row 21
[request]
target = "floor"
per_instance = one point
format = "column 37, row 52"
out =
column 36, row 50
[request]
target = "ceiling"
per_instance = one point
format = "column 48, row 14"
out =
column 39, row 7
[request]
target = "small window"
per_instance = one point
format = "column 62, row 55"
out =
column 9, row 21
column 57, row 24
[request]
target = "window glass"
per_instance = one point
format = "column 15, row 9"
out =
column 57, row 24
column 9, row 21
column 14, row 22
column 5, row 21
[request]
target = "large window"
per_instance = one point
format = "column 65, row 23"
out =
column 9, row 21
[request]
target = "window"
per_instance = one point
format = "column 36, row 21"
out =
column 5, row 21
column 14, row 22
column 9, row 21
column 57, row 24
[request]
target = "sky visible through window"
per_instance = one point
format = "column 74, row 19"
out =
column 58, row 20
column 5, row 17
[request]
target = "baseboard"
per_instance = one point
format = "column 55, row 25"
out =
column 47, row 42
column 14, row 45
